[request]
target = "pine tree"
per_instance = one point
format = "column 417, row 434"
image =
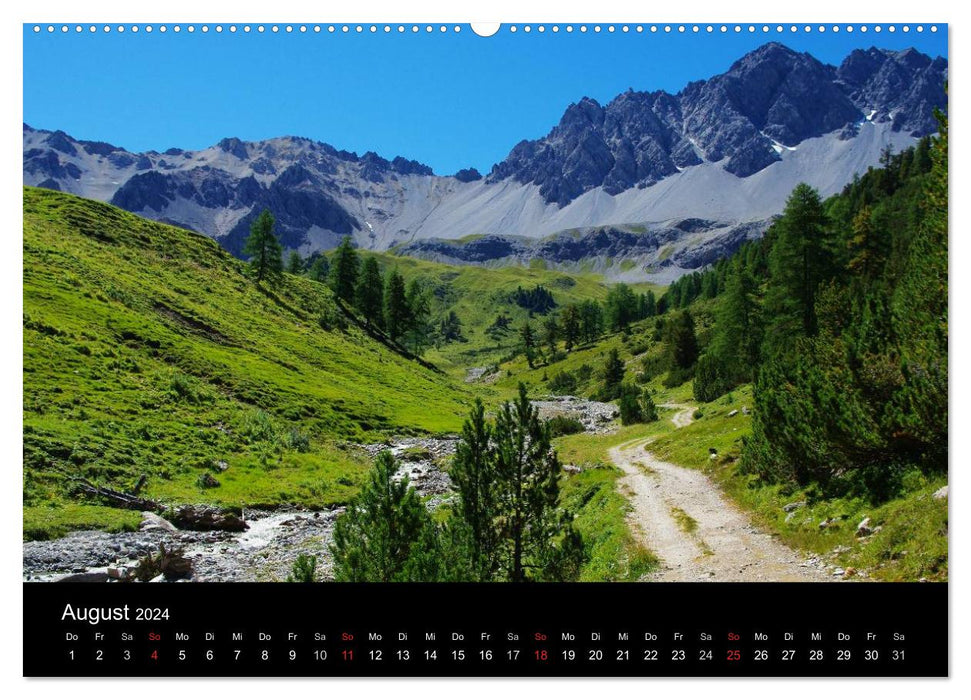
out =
column 648, row 407
column 304, row 569
column 682, row 347
column 344, row 270
column 648, row 304
column 630, row 405
column 737, row 336
column 370, row 293
column 396, row 312
column 319, row 269
column 263, row 248
column 801, row 259
column 450, row 327
column 621, row 307
column 551, row 333
column 294, row 263
column 591, row 320
column 613, row 376
column 571, row 326
column 527, row 340
column 384, row 530
column 419, row 310
column 867, row 247
column 538, row 541
column 473, row 474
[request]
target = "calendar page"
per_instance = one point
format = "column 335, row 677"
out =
column 424, row 349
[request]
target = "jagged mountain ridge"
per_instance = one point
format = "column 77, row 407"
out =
column 727, row 149
column 771, row 99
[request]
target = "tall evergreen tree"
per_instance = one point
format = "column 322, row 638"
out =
column 591, row 320
column 319, row 269
column 737, row 337
column 396, row 312
column 264, row 250
column 450, row 327
column 630, row 406
column 370, row 293
column 571, row 326
column 384, row 529
column 294, row 263
column 648, row 306
column 538, row 541
column 344, row 270
column 649, row 408
column 551, row 333
column 868, row 248
column 621, row 307
column 419, row 311
column 473, row 474
column 527, row 341
column 920, row 315
column 613, row 376
column 801, row 259
column 682, row 347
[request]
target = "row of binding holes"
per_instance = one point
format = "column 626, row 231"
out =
column 414, row 28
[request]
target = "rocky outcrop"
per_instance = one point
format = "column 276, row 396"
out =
column 656, row 251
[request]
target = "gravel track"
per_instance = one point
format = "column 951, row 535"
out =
column 699, row 535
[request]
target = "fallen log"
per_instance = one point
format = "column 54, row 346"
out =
column 120, row 498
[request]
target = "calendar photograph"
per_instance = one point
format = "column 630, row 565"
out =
column 452, row 304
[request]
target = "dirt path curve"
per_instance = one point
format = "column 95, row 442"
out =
column 684, row 416
column 682, row 516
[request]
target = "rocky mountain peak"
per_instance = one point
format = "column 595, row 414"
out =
column 770, row 99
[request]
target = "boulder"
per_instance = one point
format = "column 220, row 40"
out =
column 732, row 414
column 941, row 493
column 864, row 529
column 789, row 507
column 154, row 523
column 207, row 518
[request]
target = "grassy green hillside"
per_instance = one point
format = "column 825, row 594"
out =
column 478, row 295
column 147, row 351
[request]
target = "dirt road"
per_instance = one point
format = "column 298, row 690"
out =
column 698, row 534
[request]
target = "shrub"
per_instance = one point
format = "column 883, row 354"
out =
column 583, row 373
column 184, row 387
column 563, row 383
column 304, row 570
column 630, row 406
column 564, row 425
column 257, row 426
column 296, row 441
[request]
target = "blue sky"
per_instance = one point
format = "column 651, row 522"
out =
column 449, row 100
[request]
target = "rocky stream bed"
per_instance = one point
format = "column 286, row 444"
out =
column 259, row 545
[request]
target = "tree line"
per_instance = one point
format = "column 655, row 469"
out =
column 839, row 318
column 385, row 302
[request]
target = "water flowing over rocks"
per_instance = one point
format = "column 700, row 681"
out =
column 422, row 460
column 263, row 552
